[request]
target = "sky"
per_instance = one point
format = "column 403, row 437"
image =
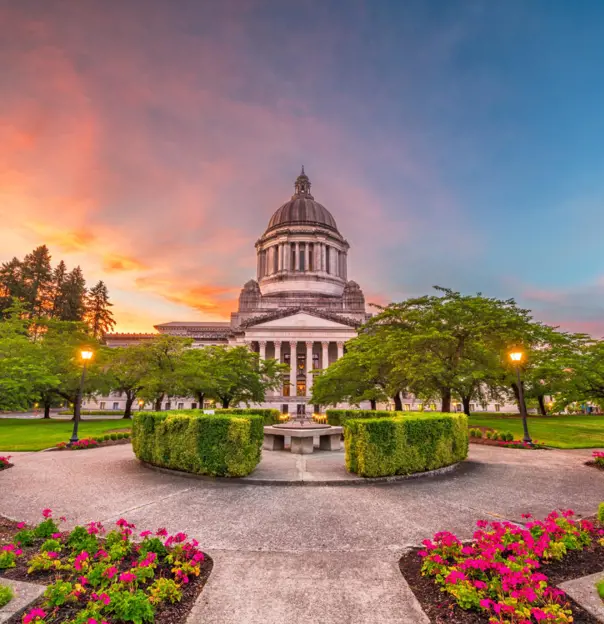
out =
column 456, row 143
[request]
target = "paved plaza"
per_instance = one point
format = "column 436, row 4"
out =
column 301, row 554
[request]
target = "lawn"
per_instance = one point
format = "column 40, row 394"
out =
column 20, row 434
column 557, row 431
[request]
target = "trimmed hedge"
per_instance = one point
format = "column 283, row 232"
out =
column 399, row 445
column 92, row 412
column 219, row 445
column 338, row 417
column 269, row 416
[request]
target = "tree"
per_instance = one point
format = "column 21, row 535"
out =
column 11, row 284
column 59, row 300
column 98, row 310
column 164, row 360
column 24, row 375
column 449, row 343
column 36, row 275
column 74, row 307
column 127, row 369
column 197, row 376
column 240, row 376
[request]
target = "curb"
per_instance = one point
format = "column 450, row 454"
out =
column 301, row 483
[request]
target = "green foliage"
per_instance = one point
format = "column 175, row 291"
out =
column 8, row 559
column 599, row 588
column 129, row 606
column 475, row 432
column 337, row 417
column 24, row 537
column 601, row 513
column 6, row 595
column 113, row 436
column 46, row 528
column 164, row 590
column 393, row 446
column 53, row 545
column 58, row 594
column 270, row 416
column 216, row 445
column 80, row 540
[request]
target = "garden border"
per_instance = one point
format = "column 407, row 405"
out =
column 249, row 480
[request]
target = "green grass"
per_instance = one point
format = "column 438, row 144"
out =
column 21, row 434
column 556, row 431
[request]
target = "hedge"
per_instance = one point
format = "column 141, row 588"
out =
column 380, row 447
column 93, row 412
column 270, row 416
column 338, row 417
column 219, row 445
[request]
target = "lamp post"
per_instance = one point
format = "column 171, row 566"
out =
column 516, row 357
column 86, row 357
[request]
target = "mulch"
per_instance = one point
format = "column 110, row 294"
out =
column 442, row 609
column 98, row 445
column 6, row 466
column 594, row 464
column 165, row 613
column 487, row 442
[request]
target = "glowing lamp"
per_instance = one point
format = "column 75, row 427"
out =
column 86, row 355
column 516, row 356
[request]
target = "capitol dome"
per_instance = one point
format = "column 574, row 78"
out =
column 302, row 209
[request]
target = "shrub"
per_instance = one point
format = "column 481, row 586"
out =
column 598, row 457
column 6, row 595
column 120, row 436
column 338, row 417
column 380, row 447
column 475, row 433
column 270, row 416
column 219, row 445
column 599, row 587
column 601, row 513
column 113, row 436
column 508, row 436
column 489, row 435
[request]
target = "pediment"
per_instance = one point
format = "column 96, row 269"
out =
column 301, row 318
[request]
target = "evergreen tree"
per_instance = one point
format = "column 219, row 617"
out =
column 75, row 296
column 59, row 276
column 11, row 284
column 36, row 276
column 98, row 314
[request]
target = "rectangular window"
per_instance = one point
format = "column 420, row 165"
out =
column 433, row 406
column 327, row 260
column 302, row 258
column 102, row 405
column 276, row 258
column 116, row 406
column 193, row 405
column 472, row 407
column 292, row 263
column 181, row 406
column 301, row 388
column 285, row 408
column 311, row 257
column 406, row 407
column 168, row 406
column 497, row 407
column 286, row 388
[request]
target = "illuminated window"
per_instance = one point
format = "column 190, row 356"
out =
column 433, row 406
column 286, row 389
column 407, row 407
column 420, row 407
column 301, row 388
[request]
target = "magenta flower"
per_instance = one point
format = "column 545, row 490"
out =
column 127, row 577
column 33, row 615
column 21, row 525
column 110, row 572
column 145, row 534
column 47, row 513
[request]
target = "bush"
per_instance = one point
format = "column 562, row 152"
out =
column 270, row 416
column 601, row 513
column 6, row 595
column 113, row 436
column 475, row 433
column 489, row 434
column 379, row 447
column 508, row 436
column 219, row 445
column 92, row 412
column 338, row 417
column 599, row 587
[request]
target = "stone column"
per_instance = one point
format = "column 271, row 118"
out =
column 325, row 355
column 307, row 256
column 262, row 344
column 309, row 376
column 340, row 349
column 293, row 363
column 277, row 343
column 297, row 258
column 323, row 264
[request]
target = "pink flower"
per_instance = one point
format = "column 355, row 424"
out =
column 32, row 615
column 110, row 572
column 127, row 577
column 21, row 525
column 56, row 535
column 47, row 513
column 161, row 532
column 145, row 534
column 83, row 580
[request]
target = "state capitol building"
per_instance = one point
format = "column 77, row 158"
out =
column 301, row 307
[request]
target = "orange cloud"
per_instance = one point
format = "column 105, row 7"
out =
column 115, row 263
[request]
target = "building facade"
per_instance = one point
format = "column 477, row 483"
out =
column 301, row 308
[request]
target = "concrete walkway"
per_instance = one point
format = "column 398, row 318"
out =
column 301, row 554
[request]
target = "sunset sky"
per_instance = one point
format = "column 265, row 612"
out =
column 456, row 143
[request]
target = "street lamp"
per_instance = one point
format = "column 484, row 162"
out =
column 86, row 357
column 516, row 357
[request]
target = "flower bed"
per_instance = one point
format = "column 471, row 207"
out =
column 507, row 573
column 94, row 576
column 110, row 439
column 597, row 460
column 5, row 462
column 492, row 437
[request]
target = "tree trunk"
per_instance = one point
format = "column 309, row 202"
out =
column 466, row 405
column 225, row 402
column 398, row 404
column 542, row 408
column 47, row 409
column 129, row 402
column 157, row 404
column 201, row 397
column 373, row 404
column 446, row 401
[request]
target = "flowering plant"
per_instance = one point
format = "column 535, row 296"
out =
column 102, row 576
column 5, row 461
column 499, row 571
column 598, row 457
column 80, row 444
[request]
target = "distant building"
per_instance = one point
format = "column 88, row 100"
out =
column 301, row 307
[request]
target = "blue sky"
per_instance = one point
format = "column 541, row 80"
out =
column 456, row 143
